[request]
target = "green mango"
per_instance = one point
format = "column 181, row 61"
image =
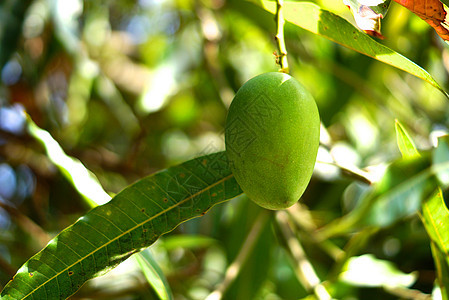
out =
column 272, row 136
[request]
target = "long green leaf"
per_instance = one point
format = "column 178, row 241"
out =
column 399, row 194
column 434, row 211
column 88, row 186
column 311, row 17
column 442, row 267
column 83, row 180
column 130, row 222
column 435, row 217
column 154, row 275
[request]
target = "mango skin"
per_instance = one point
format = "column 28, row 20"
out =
column 272, row 136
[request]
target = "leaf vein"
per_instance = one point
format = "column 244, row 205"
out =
column 220, row 181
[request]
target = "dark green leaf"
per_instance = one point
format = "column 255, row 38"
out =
column 12, row 14
column 130, row 222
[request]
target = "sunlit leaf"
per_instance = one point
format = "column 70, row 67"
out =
column 130, row 222
column 154, row 275
column 65, row 14
column 405, row 142
column 435, row 217
column 333, row 27
column 368, row 271
column 83, row 180
column 442, row 268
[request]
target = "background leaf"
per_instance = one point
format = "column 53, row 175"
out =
column 367, row 270
column 83, row 180
column 440, row 158
column 12, row 14
column 405, row 142
column 435, row 217
column 187, row 242
column 442, row 268
column 434, row 211
column 396, row 196
column 154, row 275
column 131, row 221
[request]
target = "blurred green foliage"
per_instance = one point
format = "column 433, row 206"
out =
column 131, row 87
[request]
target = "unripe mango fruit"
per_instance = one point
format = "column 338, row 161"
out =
column 272, row 136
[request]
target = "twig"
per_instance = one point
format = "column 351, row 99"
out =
column 7, row 268
column 234, row 269
column 351, row 172
column 302, row 217
column 405, row 293
column 212, row 36
column 27, row 225
column 352, row 247
column 282, row 56
column 304, row 269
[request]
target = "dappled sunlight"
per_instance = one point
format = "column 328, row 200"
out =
column 83, row 180
column 161, row 85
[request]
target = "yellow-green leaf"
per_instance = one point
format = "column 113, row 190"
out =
column 405, row 142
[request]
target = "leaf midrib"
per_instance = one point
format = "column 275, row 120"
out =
column 128, row 231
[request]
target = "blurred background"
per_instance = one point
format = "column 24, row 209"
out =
column 130, row 87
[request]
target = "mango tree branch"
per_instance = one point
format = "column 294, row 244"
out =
column 282, row 56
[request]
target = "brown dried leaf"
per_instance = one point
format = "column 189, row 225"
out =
column 431, row 11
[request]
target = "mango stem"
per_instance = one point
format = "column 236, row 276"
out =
column 281, row 58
